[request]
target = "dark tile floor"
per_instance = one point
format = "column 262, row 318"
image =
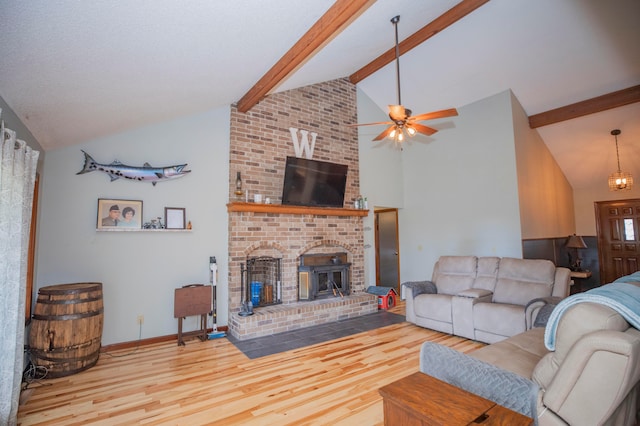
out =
column 269, row 345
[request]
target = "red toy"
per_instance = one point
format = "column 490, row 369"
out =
column 386, row 296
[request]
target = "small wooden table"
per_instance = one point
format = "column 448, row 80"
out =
column 576, row 286
column 191, row 300
column 422, row 400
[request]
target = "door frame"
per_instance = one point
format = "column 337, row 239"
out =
column 602, row 247
column 377, row 244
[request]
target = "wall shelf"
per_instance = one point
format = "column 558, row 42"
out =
column 142, row 230
column 295, row 210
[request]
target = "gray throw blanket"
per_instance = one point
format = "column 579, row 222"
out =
column 421, row 287
column 548, row 305
column 481, row 378
column 624, row 298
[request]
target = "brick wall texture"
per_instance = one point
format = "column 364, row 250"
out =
column 260, row 141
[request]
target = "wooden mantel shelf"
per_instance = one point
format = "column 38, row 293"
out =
column 299, row 210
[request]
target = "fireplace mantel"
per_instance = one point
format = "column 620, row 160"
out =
column 295, row 210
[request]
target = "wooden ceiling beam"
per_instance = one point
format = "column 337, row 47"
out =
column 590, row 106
column 335, row 19
column 451, row 16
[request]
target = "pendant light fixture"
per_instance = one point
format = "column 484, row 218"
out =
column 619, row 181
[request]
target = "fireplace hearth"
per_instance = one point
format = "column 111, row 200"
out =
column 323, row 276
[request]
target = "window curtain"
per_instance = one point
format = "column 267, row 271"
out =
column 17, row 178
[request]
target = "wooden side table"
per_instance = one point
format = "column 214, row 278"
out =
column 191, row 300
column 422, row 400
column 576, row 280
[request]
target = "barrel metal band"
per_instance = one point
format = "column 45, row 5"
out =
column 83, row 345
column 41, row 356
column 67, row 317
column 69, row 301
column 59, row 291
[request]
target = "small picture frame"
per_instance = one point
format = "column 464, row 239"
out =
column 119, row 215
column 174, row 218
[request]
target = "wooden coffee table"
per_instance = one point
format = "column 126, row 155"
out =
column 421, row 400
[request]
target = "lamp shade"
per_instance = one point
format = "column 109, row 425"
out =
column 576, row 241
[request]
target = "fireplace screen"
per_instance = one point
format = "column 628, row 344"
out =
column 261, row 282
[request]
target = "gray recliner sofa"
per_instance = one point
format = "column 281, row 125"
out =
column 590, row 376
column 484, row 298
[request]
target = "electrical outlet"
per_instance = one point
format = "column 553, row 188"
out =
column 140, row 319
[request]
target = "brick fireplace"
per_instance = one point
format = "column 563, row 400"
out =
column 261, row 140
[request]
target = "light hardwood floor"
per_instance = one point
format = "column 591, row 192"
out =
column 212, row 382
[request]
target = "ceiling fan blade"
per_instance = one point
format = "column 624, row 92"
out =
column 397, row 113
column 385, row 133
column 425, row 130
column 370, row 124
column 435, row 114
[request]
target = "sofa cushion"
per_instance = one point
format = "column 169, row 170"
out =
column 433, row 306
column 487, row 274
column 499, row 318
column 522, row 280
column 454, row 274
column 519, row 354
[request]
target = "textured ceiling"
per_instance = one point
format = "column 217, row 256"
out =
column 77, row 70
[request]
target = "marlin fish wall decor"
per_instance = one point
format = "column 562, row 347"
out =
column 146, row 173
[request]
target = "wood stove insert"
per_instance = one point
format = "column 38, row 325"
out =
column 322, row 276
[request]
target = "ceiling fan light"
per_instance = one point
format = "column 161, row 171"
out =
column 392, row 135
column 411, row 131
column 400, row 136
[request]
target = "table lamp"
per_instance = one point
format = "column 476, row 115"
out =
column 575, row 242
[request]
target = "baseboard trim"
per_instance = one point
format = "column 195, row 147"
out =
column 149, row 341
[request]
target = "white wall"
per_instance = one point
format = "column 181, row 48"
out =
column 381, row 177
column 139, row 270
column 460, row 193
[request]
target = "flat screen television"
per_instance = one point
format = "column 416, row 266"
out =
column 314, row 183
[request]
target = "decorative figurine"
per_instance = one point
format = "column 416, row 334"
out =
column 147, row 173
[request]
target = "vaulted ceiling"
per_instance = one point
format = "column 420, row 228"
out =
column 74, row 71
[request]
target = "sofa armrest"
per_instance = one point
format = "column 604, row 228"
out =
column 476, row 293
column 462, row 310
column 537, row 311
column 594, row 378
column 421, row 287
column 562, row 282
column 413, row 289
column 479, row 377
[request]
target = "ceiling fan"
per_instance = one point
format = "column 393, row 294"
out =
column 403, row 124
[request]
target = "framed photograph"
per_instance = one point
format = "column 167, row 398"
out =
column 174, row 218
column 119, row 215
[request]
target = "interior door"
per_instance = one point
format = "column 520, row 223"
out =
column 618, row 239
column 387, row 249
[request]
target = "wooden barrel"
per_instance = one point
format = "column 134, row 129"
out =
column 66, row 328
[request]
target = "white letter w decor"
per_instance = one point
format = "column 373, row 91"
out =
column 303, row 145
